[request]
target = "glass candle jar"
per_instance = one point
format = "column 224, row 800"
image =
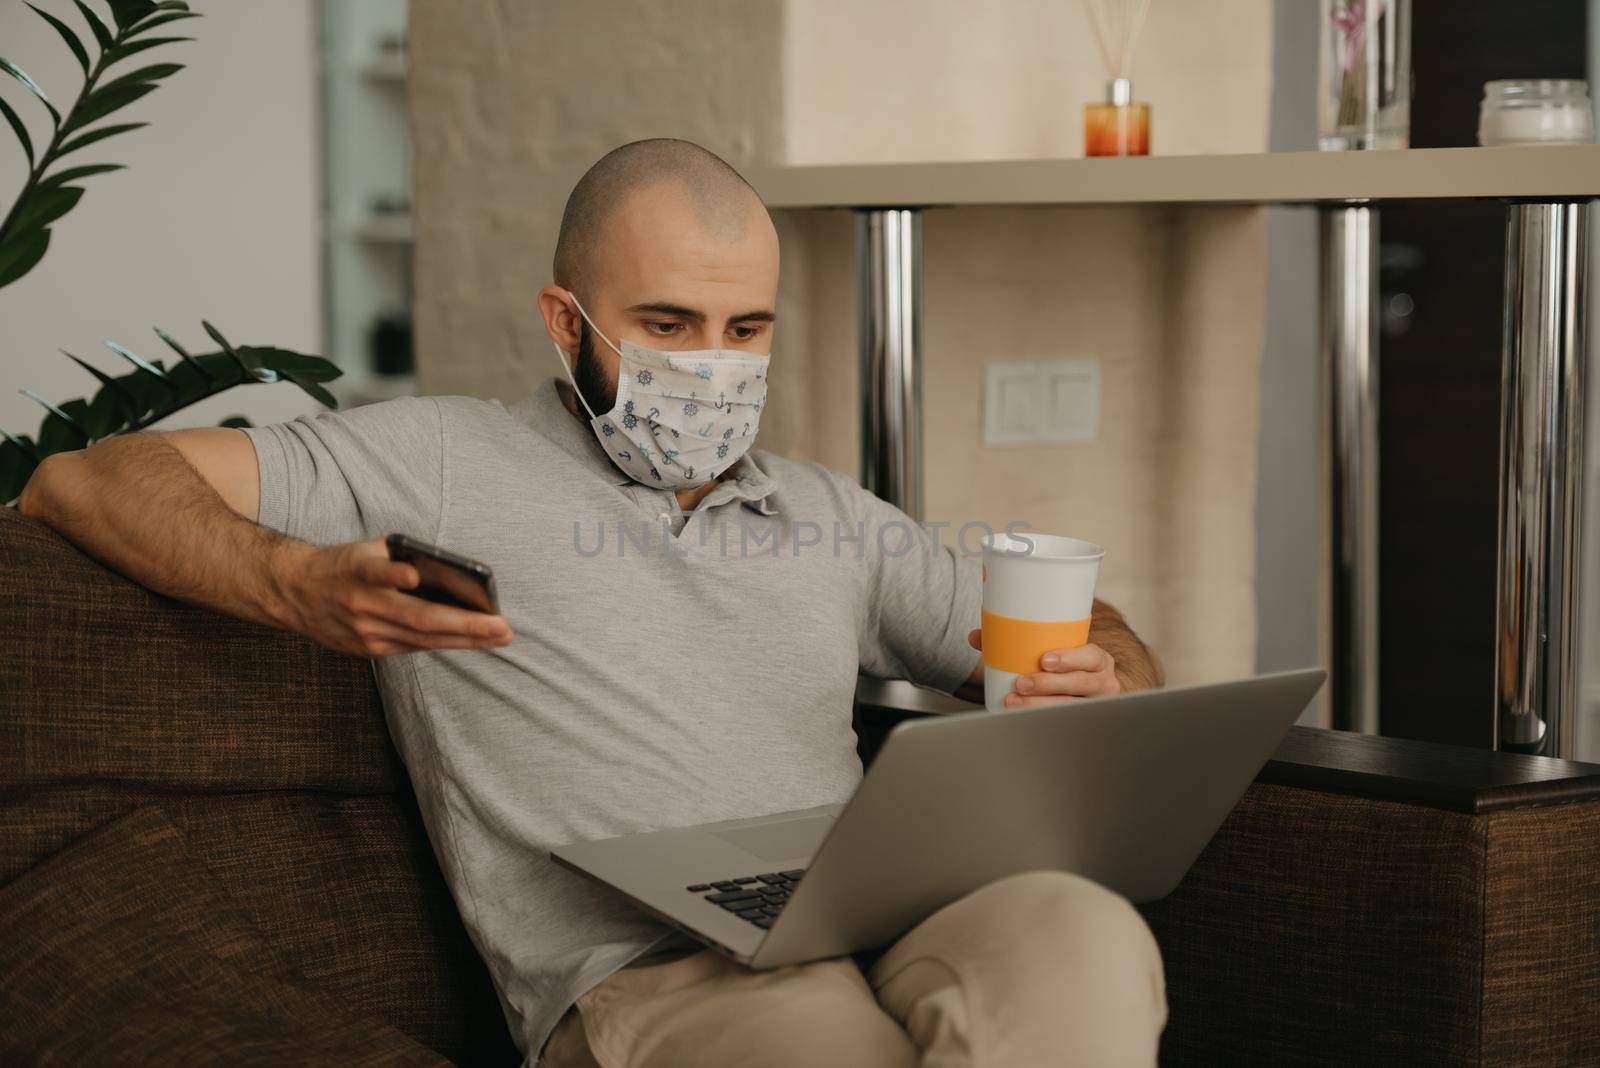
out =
column 1118, row 127
column 1536, row 111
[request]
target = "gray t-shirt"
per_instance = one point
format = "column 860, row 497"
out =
column 668, row 669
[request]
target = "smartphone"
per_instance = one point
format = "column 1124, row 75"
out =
column 446, row 577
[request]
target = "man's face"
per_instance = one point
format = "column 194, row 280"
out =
column 668, row 276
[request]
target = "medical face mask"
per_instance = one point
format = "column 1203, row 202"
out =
column 681, row 418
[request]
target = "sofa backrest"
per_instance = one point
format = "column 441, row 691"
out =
column 101, row 679
column 268, row 752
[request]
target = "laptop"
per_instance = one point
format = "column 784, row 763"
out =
column 1124, row 790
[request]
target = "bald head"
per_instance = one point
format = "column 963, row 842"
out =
column 721, row 199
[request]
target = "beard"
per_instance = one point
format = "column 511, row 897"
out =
column 597, row 390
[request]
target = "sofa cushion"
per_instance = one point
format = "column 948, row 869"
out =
column 124, row 950
column 103, row 679
column 345, row 888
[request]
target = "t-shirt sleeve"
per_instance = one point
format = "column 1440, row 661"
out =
column 923, row 599
column 341, row 476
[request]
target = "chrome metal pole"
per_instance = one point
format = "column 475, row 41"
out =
column 1349, row 330
column 1541, row 479
column 889, row 274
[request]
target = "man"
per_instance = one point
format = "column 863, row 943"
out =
column 699, row 665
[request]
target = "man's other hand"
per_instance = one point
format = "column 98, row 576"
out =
column 1087, row 671
column 349, row 598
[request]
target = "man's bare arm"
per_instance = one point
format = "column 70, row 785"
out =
column 1114, row 661
column 176, row 512
column 1136, row 664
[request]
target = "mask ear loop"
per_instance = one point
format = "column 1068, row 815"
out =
column 562, row 353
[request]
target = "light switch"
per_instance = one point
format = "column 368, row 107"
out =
column 1071, row 389
column 1035, row 403
column 1011, row 404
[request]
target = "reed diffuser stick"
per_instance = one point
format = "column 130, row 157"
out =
column 1117, row 24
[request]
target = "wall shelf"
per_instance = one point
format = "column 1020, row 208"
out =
column 1264, row 178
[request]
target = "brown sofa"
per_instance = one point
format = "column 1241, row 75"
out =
column 209, row 853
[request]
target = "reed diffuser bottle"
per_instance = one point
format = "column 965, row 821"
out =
column 1120, row 126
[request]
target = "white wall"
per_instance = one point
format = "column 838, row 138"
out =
column 215, row 218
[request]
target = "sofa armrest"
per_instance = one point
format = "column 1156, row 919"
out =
column 1381, row 901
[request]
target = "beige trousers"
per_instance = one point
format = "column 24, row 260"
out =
column 1042, row 968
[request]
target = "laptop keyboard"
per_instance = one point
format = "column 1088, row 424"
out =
column 756, row 898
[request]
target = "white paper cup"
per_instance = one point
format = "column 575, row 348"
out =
column 1038, row 593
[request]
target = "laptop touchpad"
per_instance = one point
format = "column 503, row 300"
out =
column 780, row 841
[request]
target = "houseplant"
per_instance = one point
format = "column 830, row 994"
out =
column 152, row 390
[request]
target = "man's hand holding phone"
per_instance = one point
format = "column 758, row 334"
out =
column 352, row 598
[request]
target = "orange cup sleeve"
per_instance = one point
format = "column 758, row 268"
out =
column 1015, row 645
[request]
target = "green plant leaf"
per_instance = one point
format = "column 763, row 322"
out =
column 24, row 444
column 131, row 404
column 96, row 26
column 126, row 12
column 128, row 48
column 18, row 257
column 33, row 87
column 43, row 207
column 247, row 361
column 160, row 20
column 156, row 394
column 57, row 412
column 18, row 459
column 97, row 135
column 21, row 131
column 313, row 368
column 66, row 35
column 142, row 364
column 61, row 177
column 153, row 73
column 322, row 395
column 104, row 101
column 183, row 354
